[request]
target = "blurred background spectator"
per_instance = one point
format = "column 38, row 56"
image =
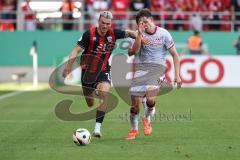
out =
column 157, row 6
column 67, row 11
column 194, row 45
column 99, row 6
column 196, row 22
column 235, row 11
column 120, row 9
column 8, row 15
column 136, row 5
column 237, row 45
column 225, row 17
column 187, row 15
column 89, row 12
column 214, row 7
column 30, row 24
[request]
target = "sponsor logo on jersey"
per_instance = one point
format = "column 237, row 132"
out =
column 109, row 38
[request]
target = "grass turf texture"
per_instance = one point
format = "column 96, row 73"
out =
column 29, row 128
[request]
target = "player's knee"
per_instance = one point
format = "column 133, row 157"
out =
column 134, row 110
column 103, row 95
column 90, row 102
column 151, row 102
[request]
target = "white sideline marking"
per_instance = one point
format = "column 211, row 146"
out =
column 14, row 93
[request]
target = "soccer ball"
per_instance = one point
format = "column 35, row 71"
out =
column 81, row 137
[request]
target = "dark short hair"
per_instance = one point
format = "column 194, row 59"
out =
column 143, row 13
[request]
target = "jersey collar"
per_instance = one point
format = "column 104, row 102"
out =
column 153, row 32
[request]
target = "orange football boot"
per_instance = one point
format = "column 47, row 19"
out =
column 147, row 127
column 132, row 134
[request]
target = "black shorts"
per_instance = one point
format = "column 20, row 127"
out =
column 91, row 80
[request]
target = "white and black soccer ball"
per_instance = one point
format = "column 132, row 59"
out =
column 81, row 137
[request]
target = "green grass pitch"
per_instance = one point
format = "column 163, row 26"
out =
column 194, row 124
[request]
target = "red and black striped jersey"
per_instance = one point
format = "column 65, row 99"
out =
column 98, row 49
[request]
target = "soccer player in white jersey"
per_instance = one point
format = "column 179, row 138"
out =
column 151, row 54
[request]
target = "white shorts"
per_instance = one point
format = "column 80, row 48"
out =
column 141, row 90
column 146, row 76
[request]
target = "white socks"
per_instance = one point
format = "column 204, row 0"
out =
column 134, row 121
column 148, row 112
column 97, row 127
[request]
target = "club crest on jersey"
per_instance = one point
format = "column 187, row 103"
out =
column 94, row 38
column 109, row 38
column 158, row 40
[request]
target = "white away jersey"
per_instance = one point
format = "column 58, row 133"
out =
column 156, row 51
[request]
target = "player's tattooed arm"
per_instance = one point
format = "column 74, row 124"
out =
column 73, row 55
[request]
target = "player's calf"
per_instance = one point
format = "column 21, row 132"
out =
column 149, row 108
column 133, row 132
column 149, row 111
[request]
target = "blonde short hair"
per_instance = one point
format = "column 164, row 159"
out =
column 106, row 14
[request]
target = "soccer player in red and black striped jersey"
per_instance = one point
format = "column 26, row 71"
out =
column 97, row 44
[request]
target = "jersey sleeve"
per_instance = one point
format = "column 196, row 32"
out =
column 119, row 34
column 168, row 42
column 83, row 41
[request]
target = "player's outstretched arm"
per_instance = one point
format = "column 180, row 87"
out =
column 71, row 59
column 177, row 79
column 131, row 34
column 184, row 50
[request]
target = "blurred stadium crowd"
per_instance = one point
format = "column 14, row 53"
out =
column 202, row 15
